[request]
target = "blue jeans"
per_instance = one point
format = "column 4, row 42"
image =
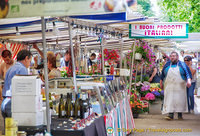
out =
column 190, row 96
column 6, row 107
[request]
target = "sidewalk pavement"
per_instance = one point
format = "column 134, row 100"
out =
column 156, row 125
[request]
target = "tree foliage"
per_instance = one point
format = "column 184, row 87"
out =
column 144, row 7
column 182, row 11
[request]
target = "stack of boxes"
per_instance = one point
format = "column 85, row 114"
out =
column 27, row 101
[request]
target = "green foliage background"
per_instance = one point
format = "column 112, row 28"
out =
column 144, row 7
column 182, row 11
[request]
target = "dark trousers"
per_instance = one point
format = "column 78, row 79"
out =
column 6, row 108
column 190, row 96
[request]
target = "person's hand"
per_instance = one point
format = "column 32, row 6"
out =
column 35, row 46
column 188, row 83
column 161, row 84
column 36, row 58
column 150, row 79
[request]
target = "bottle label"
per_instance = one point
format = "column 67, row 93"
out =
column 72, row 113
column 63, row 113
column 79, row 113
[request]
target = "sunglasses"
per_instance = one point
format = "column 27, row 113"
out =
column 186, row 60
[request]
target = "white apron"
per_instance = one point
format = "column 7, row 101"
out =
column 175, row 94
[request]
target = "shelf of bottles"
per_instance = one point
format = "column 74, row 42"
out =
column 93, row 99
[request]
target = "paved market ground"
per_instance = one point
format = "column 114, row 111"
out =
column 148, row 123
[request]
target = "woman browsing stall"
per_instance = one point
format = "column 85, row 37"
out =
column 53, row 71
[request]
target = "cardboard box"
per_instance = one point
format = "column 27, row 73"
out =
column 29, row 119
column 26, row 85
column 24, row 104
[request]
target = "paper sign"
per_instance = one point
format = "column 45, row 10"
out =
column 124, row 72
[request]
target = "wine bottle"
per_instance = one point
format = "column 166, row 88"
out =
column 85, row 107
column 61, row 113
column 50, row 102
column 81, row 106
column 70, row 106
column 66, row 105
column 77, row 107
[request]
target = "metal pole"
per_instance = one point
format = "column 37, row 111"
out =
column 72, row 54
column 159, row 61
column 141, row 72
column 102, row 58
column 131, row 69
column 136, row 67
column 121, row 52
column 46, row 74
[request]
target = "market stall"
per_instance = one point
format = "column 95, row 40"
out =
column 116, row 112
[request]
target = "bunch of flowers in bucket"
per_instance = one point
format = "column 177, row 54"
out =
column 143, row 88
column 155, row 94
column 110, row 56
column 136, row 104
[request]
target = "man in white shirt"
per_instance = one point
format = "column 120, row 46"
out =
column 181, row 56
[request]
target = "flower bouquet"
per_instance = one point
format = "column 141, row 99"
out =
column 150, row 97
column 110, row 56
column 137, row 106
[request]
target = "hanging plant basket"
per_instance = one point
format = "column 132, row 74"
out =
column 138, row 56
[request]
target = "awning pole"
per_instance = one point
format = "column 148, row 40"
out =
column 102, row 56
column 121, row 51
column 131, row 69
column 46, row 74
column 72, row 55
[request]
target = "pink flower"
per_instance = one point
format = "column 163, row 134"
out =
column 149, row 96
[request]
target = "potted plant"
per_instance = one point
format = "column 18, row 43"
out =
column 136, row 105
column 137, row 108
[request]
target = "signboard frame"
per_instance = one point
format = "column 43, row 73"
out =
column 158, row 37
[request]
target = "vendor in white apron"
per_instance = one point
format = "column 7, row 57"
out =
column 176, row 75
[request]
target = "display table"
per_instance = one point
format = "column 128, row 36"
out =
column 58, row 128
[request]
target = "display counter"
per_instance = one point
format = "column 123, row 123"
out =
column 108, row 100
column 62, row 127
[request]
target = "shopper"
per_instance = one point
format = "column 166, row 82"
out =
column 91, row 59
column 181, row 58
column 175, row 76
column 20, row 68
column 190, row 90
column 8, row 62
column 154, row 74
column 65, row 61
column 41, row 66
column 54, row 72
